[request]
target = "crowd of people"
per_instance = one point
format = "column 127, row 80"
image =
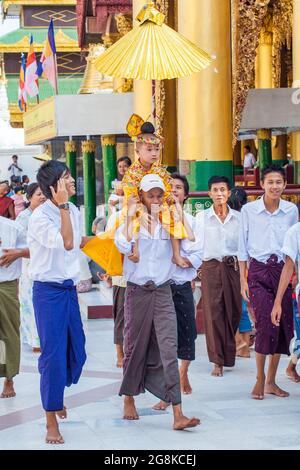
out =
column 245, row 254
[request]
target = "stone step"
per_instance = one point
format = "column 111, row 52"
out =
column 97, row 303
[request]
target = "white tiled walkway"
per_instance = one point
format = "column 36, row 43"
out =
column 230, row 418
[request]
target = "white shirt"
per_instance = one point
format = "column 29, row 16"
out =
column 189, row 250
column 262, row 233
column 291, row 245
column 49, row 261
column 249, row 160
column 11, row 237
column 155, row 253
column 217, row 239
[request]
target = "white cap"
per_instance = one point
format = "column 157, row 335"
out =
column 151, row 181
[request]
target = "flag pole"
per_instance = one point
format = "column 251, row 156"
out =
column 56, row 81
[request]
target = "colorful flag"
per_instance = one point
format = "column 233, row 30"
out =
column 22, row 96
column 47, row 66
column 31, row 81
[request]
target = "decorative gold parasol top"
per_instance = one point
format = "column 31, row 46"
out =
column 152, row 51
column 150, row 13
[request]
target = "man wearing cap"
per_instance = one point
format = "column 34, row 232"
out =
column 150, row 331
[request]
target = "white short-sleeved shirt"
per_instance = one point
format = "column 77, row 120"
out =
column 49, row 260
column 262, row 233
column 11, row 236
column 189, row 250
column 249, row 160
column 291, row 245
column 217, row 239
column 155, row 252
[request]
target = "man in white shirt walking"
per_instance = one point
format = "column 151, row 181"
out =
column 217, row 232
column 249, row 158
column 54, row 239
column 263, row 227
column 150, row 333
column 11, row 237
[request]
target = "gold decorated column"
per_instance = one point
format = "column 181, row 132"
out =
column 204, row 100
column 264, row 79
column 296, row 83
column 70, row 150
column 142, row 88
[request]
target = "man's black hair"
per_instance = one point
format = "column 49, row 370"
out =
column 218, row 179
column 183, row 179
column 272, row 169
column 49, row 174
column 247, row 147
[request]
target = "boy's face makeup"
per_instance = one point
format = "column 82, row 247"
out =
column 70, row 183
column 219, row 193
column 148, row 153
column 178, row 190
column 152, row 200
column 273, row 185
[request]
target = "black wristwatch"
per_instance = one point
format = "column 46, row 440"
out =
column 65, row 206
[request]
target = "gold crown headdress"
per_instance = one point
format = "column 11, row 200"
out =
column 134, row 130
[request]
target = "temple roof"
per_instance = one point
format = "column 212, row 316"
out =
column 7, row 3
column 18, row 40
column 99, row 9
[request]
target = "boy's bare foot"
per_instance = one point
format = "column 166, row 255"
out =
column 62, row 414
column 161, row 406
column 217, row 371
column 184, row 382
column 292, row 373
column 8, row 389
column 273, row 389
column 180, row 261
column 243, row 352
column 120, row 356
column 258, row 392
column 130, row 409
column 183, row 422
column 36, row 350
column 53, row 435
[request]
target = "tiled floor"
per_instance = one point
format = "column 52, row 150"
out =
column 230, row 418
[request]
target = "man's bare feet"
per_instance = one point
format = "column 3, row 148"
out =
column 273, row 389
column 217, row 371
column 184, row 382
column 53, row 435
column 243, row 352
column 130, row 409
column 8, row 389
column 180, row 261
column 120, row 356
column 258, row 392
column 292, row 373
column 62, row 414
column 161, row 406
column 183, row 422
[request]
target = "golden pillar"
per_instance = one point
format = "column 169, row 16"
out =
column 204, row 100
column 142, row 88
column 264, row 79
column 296, row 83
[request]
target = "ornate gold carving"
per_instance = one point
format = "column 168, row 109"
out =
column 282, row 36
column 124, row 24
column 88, row 146
column 108, row 140
column 70, row 146
column 93, row 81
column 249, row 19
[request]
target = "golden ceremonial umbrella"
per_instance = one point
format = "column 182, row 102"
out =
column 152, row 51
